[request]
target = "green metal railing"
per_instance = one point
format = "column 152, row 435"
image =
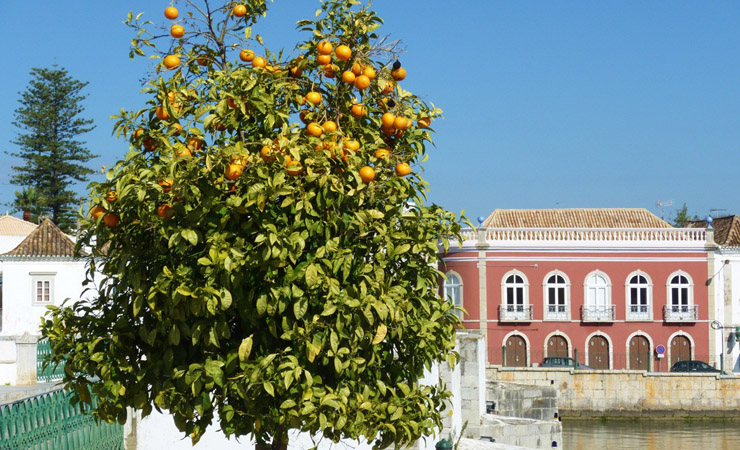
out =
column 50, row 373
column 50, row 422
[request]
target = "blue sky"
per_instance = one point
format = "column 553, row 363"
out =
column 546, row 104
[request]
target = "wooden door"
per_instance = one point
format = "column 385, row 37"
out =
column 639, row 353
column 516, row 352
column 680, row 350
column 598, row 352
column 557, row 346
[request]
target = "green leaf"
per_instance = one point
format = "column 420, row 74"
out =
column 245, row 348
column 299, row 308
column 287, row 404
column 190, row 235
column 312, row 276
column 269, row 388
column 380, row 334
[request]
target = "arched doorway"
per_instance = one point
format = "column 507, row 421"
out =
column 598, row 352
column 557, row 346
column 639, row 353
column 680, row 349
column 516, row 352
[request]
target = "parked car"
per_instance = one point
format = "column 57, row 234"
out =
column 561, row 361
column 693, row 366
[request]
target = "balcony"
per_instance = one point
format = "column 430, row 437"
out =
column 681, row 313
column 515, row 313
column 638, row 312
column 557, row 312
column 598, row 313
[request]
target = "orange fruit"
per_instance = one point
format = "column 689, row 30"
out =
column 401, row 123
column 358, row 110
column 343, row 53
column 166, row 184
column 240, row 10
column 356, row 69
column 388, row 129
column 304, row 116
column 266, row 154
column 177, row 31
column 161, row 113
column 182, row 151
column 330, row 70
column 295, row 71
column 323, row 59
column 259, row 62
column 234, row 171
column 149, row 143
column 195, row 143
column 387, row 119
column 382, row 153
column 165, row 210
column 171, row 61
column 369, row 72
column 403, row 169
column 177, row 129
column 398, row 74
column 230, row 102
column 246, row 55
column 111, row 220
column 138, row 133
column 314, row 129
column 294, row 168
column 202, row 60
column 329, row 126
column 171, row 13
column 424, row 122
column 388, row 88
column 351, row 144
column 324, row 48
column 367, row 174
column 96, row 211
column 313, row 97
column 348, row 77
column 111, row 196
column 362, row 82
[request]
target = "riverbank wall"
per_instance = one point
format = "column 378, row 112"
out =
column 631, row 394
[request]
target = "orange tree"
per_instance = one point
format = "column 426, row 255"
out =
column 256, row 270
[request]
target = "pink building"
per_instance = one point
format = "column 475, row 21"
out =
column 611, row 285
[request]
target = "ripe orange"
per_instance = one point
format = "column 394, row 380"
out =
column 343, row 53
column 329, row 126
column 382, row 153
column 424, row 122
column 348, row 77
column 177, row 129
column 177, row 31
column 369, row 72
column 401, row 123
column 234, row 171
column 165, row 210
column 295, row 71
column 388, row 88
column 323, row 59
column 356, row 69
column 259, row 62
column 324, row 48
column 314, row 129
column 403, row 169
column 171, row 61
column 362, row 82
column 351, row 144
column 266, row 154
column 166, row 184
column 96, row 211
column 358, row 110
column 183, row 151
column 388, row 130
column 367, row 174
column 111, row 220
column 246, row 55
column 111, row 196
column 149, row 143
column 398, row 74
column 230, row 102
column 202, row 60
column 387, row 119
column 195, row 143
column 330, row 70
column 313, row 97
column 304, row 116
column 161, row 113
column 138, row 133
column 171, row 13
column 240, row 10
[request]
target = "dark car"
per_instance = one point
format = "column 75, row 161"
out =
column 562, row 361
column 693, row 366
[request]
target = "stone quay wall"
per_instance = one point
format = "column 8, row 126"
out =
column 631, row 393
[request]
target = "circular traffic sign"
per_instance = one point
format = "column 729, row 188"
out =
column 660, row 349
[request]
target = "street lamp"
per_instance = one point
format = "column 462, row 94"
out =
column 735, row 335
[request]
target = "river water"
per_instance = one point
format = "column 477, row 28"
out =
column 651, row 435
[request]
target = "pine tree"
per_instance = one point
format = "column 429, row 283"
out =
column 49, row 117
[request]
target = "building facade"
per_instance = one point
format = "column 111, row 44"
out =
column 607, row 285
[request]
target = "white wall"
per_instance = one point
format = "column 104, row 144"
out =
column 20, row 314
column 8, row 243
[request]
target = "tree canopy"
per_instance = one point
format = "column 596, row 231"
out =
column 255, row 270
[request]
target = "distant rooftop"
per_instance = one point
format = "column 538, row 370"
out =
column 726, row 230
column 13, row 226
column 575, row 218
column 44, row 241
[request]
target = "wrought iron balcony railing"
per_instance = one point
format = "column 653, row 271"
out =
column 557, row 312
column 638, row 312
column 598, row 313
column 515, row 313
column 681, row 313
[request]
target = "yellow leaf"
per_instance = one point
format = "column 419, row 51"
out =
column 380, row 334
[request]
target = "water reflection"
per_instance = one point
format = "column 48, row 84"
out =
column 650, row 435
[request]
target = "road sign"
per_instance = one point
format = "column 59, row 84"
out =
column 660, row 350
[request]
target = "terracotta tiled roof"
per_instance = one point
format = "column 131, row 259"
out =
column 726, row 230
column 46, row 240
column 13, row 226
column 575, row 218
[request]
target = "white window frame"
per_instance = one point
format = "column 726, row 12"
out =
column 514, row 312
column 457, row 300
column 546, row 285
column 628, row 285
column 670, row 286
column 589, row 304
column 41, row 277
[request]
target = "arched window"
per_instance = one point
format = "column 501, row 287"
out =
column 514, row 286
column 680, row 298
column 639, row 296
column 453, row 291
column 556, row 297
column 515, row 303
column 598, row 305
